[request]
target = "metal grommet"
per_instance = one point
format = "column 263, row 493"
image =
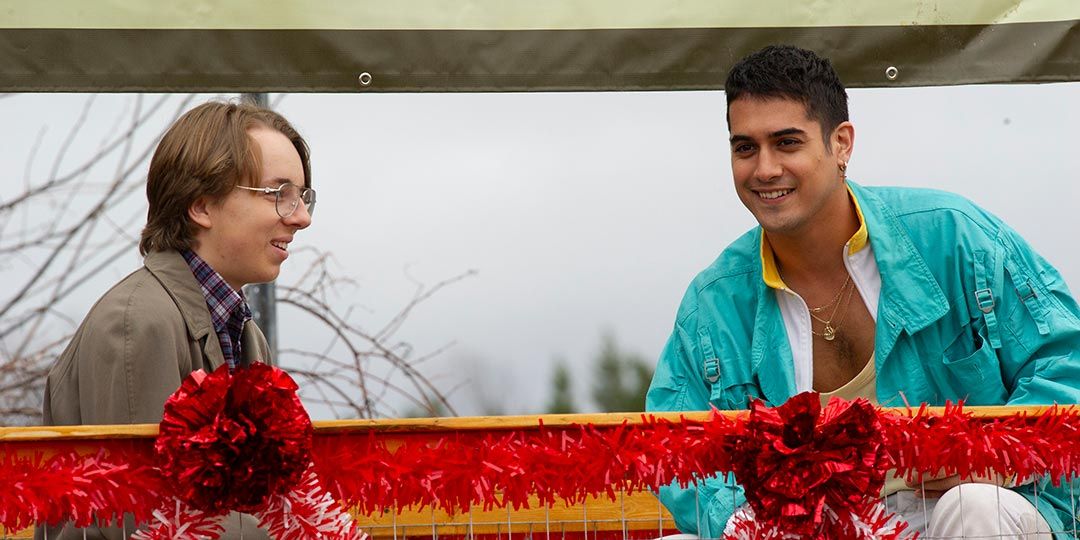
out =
column 365, row 79
column 891, row 73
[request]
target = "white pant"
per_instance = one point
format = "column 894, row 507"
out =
column 971, row 511
column 965, row 511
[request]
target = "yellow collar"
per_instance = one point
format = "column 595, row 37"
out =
column 771, row 274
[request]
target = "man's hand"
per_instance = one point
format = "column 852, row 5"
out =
column 933, row 487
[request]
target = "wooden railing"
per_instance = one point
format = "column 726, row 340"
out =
column 630, row 516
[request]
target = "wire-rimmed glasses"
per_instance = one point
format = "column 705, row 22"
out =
column 287, row 198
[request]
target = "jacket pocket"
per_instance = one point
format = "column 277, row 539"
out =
column 731, row 385
column 972, row 371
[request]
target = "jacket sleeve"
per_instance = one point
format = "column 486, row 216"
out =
column 705, row 508
column 1039, row 328
column 1039, row 354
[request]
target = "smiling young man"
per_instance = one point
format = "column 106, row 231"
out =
column 895, row 295
column 228, row 188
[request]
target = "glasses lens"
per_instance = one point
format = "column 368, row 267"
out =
column 308, row 196
column 287, row 199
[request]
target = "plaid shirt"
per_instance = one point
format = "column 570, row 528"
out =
column 228, row 308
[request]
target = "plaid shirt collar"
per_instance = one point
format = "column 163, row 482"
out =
column 228, row 307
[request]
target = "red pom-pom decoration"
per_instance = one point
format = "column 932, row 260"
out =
column 805, row 469
column 229, row 440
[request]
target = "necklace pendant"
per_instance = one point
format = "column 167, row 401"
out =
column 829, row 333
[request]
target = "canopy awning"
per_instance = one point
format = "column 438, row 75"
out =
column 519, row 45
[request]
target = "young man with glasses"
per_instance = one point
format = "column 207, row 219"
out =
column 229, row 186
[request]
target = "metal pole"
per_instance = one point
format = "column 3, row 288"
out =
column 262, row 297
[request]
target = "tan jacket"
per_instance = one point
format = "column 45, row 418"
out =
column 131, row 352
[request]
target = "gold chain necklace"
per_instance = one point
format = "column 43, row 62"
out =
column 829, row 332
column 834, row 300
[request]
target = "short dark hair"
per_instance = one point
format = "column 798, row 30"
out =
column 786, row 71
column 207, row 152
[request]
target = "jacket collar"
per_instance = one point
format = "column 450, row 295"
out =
column 910, row 295
column 174, row 274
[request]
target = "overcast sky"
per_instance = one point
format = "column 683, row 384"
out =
column 580, row 212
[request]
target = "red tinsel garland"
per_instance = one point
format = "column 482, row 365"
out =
column 70, row 486
column 460, row 470
column 464, row 469
column 179, row 520
column 308, row 511
column 957, row 443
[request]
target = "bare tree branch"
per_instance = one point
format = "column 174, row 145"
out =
column 312, row 296
column 63, row 234
column 91, row 162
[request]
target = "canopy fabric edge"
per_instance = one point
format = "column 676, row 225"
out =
column 64, row 60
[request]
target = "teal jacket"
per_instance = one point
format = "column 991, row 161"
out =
column 967, row 311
